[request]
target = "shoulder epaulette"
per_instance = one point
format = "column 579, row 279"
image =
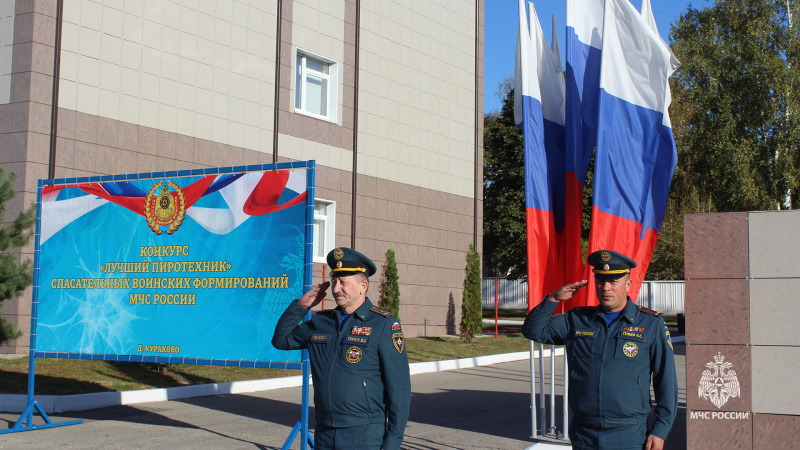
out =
column 584, row 308
column 649, row 311
column 380, row 311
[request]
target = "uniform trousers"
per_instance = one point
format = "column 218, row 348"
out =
column 359, row 437
column 626, row 437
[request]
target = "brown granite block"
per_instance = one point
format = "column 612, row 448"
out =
column 39, row 148
column 86, row 157
column 698, row 359
column 128, row 136
column 20, row 87
column 65, row 154
column 40, row 117
column 148, row 140
column 23, row 28
column 86, row 127
column 108, row 132
column 717, row 311
column 716, row 245
column 13, row 147
column 772, row 431
column 712, row 430
column 66, row 123
column 44, row 29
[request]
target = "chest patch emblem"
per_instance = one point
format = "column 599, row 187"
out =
column 361, row 331
column 398, row 341
column 584, row 333
column 630, row 349
column 354, row 354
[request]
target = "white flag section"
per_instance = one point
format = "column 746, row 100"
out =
column 647, row 15
column 636, row 62
column 536, row 69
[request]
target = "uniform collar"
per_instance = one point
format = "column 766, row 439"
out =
column 363, row 310
column 628, row 312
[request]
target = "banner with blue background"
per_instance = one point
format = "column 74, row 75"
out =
column 192, row 269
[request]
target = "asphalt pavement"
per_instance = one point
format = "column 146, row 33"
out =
column 484, row 407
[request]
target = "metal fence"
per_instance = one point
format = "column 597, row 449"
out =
column 664, row 296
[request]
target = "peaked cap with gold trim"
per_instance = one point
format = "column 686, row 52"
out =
column 346, row 261
column 610, row 265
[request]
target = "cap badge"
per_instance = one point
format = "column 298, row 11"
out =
column 338, row 253
column 338, row 264
column 605, row 267
column 605, row 256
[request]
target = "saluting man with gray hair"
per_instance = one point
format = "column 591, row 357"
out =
column 362, row 386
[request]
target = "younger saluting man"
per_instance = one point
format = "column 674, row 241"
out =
column 362, row 386
column 612, row 350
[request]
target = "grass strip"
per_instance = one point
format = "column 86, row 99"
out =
column 68, row 377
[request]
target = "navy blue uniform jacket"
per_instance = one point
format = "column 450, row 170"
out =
column 610, row 367
column 360, row 374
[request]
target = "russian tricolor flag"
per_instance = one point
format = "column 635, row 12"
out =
column 539, row 112
column 636, row 155
column 584, row 47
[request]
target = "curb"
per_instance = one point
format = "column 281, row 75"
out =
column 16, row 403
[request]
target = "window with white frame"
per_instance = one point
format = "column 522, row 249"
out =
column 316, row 86
column 324, row 228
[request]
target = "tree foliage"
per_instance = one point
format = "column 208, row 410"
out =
column 14, row 277
column 504, row 190
column 735, row 106
column 471, row 312
column 390, row 285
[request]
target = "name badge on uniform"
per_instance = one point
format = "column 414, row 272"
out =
column 319, row 337
column 584, row 333
column 355, row 340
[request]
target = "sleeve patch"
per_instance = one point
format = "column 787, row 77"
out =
column 398, row 341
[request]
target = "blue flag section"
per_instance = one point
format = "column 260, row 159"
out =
column 539, row 113
column 183, row 267
column 636, row 155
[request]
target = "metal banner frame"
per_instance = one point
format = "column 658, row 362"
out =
column 25, row 421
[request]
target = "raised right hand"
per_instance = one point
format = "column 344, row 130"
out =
column 566, row 292
column 313, row 296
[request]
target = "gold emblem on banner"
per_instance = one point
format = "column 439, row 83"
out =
column 164, row 208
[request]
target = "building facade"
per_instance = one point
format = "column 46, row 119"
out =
column 385, row 95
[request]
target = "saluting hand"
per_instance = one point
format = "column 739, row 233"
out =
column 566, row 292
column 313, row 296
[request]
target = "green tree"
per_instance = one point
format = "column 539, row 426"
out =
column 390, row 285
column 504, row 190
column 14, row 277
column 471, row 312
column 735, row 106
